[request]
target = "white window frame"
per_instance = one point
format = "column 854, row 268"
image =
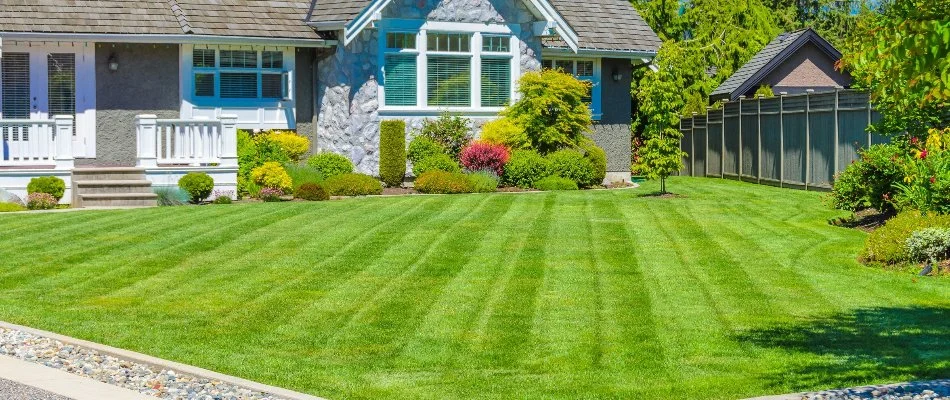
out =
column 595, row 80
column 421, row 29
column 253, row 113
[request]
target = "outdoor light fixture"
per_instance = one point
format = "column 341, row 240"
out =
column 113, row 63
column 617, row 75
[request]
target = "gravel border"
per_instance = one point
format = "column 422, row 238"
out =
column 147, row 375
column 919, row 390
column 10, row 390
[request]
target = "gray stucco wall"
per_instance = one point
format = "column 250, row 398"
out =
column 146, row 83
column 612, row 133
column 347, row 103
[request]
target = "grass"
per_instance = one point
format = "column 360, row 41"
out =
column 730, row 290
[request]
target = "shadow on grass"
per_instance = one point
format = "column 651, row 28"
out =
column 660, row 195
column 871, row 345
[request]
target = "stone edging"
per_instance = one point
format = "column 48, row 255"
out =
column 164, row 364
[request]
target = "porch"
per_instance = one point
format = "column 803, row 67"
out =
column 166, row 150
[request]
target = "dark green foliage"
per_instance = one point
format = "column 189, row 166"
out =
column 392, row 152
column 311, row 191
column 483, row 181
column 598, row 158
column 870, row 180
column 198, row 185
column 450, row 131
column 437, row 162
column 422, row 147
column 441, row 182
column 352, row 185
column 571, row 164
column 303, row 173
column 222, row 200
column 888, row 244
column 169, row 196
column 331, row 164
column 47, row 184
column 254, row 151
column 524, row 168
column 555, row 183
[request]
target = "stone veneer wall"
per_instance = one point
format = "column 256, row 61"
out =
column 612, row 132
column 347, row 102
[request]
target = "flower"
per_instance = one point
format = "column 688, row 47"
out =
column 923, row 154
column 914, row 140
column 933, row 179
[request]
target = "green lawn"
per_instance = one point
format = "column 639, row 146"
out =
column 732, row 290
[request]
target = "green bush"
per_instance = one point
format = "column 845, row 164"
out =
column 888, row 244
column 222, row 200
column 352, row 185
column 571, row 164
column 483, row 181
column 311, row 192
column 169, row 196
column 524, row 168
column 302, row 173
column 41, row 201
column 254, row 151
column 272, row 175
column 505, row 132
column 452, row 132
column 10, row 207
column 551, row 110
column 868, row 181
column 438, row 162
column 392, row 152
column 47, row 184
column 930, row 244
column 598, row 158
column 331, row 164
column 422, row 147
column 198, row 185
column 555, row 183
column 441, row 182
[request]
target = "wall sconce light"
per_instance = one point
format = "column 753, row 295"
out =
column 617, row 75
column 113, row 63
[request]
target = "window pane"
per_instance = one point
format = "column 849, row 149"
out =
column 272, row 86
column 204, row 85
column 62, row 83
column 450, row 42
column 203, row 58
column 272, row 59
column 238, row 85
column 15, row 85
column 238, row 59
column 400, row 80
column 400, row 40
column 585, row 68
column 547, row 64
column 564, row 65
column 496, row 82
column 450, row 81
column 494, row 43
column 590, row 89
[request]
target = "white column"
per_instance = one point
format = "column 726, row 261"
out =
column 229, row 140
column 146, row 133
column 63, row 126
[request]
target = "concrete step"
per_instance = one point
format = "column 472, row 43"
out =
column 108, row 174
column 119, row 200
column 117, row 186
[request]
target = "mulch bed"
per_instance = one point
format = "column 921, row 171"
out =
column 866, row 220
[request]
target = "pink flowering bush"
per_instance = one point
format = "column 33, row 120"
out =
column 270, row 194
column 41, row 201
column 482, row 156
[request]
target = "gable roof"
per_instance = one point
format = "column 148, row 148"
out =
column 612, row 25
column 769, row 58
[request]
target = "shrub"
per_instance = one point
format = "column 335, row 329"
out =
column 352, row 185
column 422, row 147
column 222, row 196
column 222, row 200
column 441, row 182
column 930, row 245
column 269, row 194
column 524, row 168
column 571, row 164
column 292, row 144
column 198, row 185
column 10, row 207
column 302, row 173
column 392, row 152
column 555, row 183
column 438, row 162
column 483, row 156
column 272, row 175
column 552, row 109
column 311, row 192
column 47, row 184
column 452, row 132
column 169, row 196
column 41, row 201
column 331, row 164
column 888, row 244
column 926, row 183
column 868, row 181
column 254, row 151
column 505, row 132
column 598, row 158
column 483, row 181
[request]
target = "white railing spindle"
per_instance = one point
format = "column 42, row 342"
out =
column 194, row 142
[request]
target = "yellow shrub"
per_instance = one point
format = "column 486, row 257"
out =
column 273, row 175
column 293, row 144
column 503, row 131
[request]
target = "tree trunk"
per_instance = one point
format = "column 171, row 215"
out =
column 662, row 185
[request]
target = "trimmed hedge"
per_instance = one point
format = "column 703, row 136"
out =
column 571, row 164
column 331, row 164
column 555, row 183
column 437, row 162
column 392, row 152
column 51, row 185
column 198, row 185
column 422, row 147
column 483, row 181
column 441, row 182
column 352, row 185
column 311, row 192
column 598, row 158
column 524, row 168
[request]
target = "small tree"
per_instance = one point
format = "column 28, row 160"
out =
column 661, row 101
column 552, row 110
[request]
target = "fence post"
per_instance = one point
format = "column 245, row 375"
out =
column 741, row 150
column 146, row 133
column 692, row 144
column 63, row 125
column 706, row 159
column 781, row 138
column 868, row 104
column 837, row 139
column 722, row 144
column 229, row 140
column 758, row 167
column 808, row 93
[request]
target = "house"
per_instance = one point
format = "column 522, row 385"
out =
column 792, row 63
column 162, row 85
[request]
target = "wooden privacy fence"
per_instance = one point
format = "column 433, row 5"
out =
column 797, row 141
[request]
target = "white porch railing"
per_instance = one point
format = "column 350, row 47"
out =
column 193, row 142
column 34, row 143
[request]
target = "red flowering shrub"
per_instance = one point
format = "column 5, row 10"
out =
column 481, row 156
